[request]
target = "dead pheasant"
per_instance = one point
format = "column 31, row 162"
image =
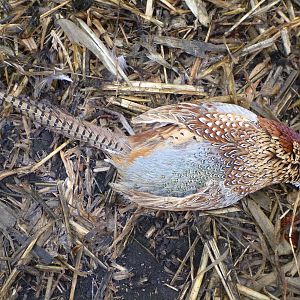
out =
column 187, row 156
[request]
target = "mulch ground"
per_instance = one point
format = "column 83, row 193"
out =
column 64, row 234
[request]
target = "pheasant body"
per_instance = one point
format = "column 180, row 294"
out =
column 191, row 156
column 206, row 156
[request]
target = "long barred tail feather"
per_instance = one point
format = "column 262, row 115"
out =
column 61, row 122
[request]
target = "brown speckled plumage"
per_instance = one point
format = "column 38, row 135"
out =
column 187, row 156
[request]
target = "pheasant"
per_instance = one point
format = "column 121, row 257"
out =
column 186, row 156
